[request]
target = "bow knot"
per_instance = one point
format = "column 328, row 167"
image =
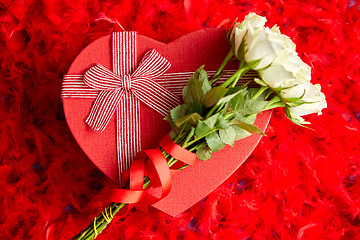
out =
column 141, row 84
column 126, row 82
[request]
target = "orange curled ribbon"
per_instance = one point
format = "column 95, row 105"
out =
column 150, row 163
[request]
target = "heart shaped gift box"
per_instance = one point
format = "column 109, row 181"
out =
column 204, row 47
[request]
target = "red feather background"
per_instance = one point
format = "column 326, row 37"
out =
column 297, row 184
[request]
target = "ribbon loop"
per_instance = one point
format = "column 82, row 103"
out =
column 152, row 65
column 100, row 78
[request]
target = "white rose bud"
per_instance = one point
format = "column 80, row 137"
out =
column 311, row 94
column 262, row 45
column 287, row 70
column 240, row 29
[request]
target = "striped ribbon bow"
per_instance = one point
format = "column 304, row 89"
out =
column 112, row 89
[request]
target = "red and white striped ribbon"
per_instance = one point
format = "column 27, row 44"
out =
column 120, row 91
column 128, row 142
column 74, row 86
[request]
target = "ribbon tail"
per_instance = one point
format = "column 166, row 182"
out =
column 124, row 196
column 128, row 130
column 103, row 109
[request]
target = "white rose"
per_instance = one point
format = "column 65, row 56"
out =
column 311, row 94
column 286, row 70
column 262, row 45
column 287, row 42
column 240, row 29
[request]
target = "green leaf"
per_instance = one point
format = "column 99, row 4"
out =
column 221, row 123
column 295, row 99
column 192, row 118
column 235, row 89
column 253, row 64
column 176, row 113
column 237, row 101
column 251, row 92
column 245, row 105
column 240, row 133
column 228, row 136
column 214, row 142
column 204, row 153
column 247, row 127
column 197, row 87
column 214, row 95
column 260, row 82
column 295, row 104
column 195, row 107
column 232, row 92
column 279, row 104
column 248, row 119
column 212, row 120
column 225, row 102
column 281, row 88
column 298, row 122
column 260, row 93
column 202, row 129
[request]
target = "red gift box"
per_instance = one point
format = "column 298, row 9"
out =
column 204, row 47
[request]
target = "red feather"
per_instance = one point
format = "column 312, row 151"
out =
column 298, row 183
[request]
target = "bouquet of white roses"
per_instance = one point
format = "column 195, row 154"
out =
column 216, row 114
column 274, row 56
